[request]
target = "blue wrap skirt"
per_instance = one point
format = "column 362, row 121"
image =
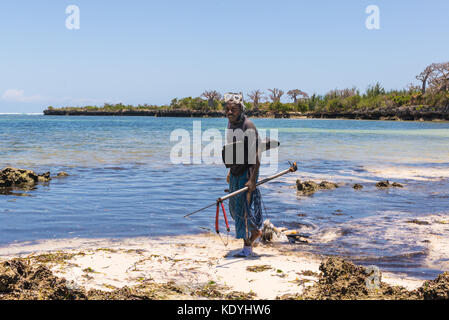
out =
column 238, row 206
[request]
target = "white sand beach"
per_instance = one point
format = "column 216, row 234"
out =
column 190, row 261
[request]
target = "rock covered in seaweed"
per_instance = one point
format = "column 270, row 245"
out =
column 357, row 186
column 19, row 280
column 437, row 289
column 342, row 280
column 310, row 187
column 62, row 174
column 387, row 184
column 306, row 187
column 420, row 222
column 12, row 177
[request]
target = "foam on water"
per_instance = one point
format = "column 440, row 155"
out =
column 397, row 242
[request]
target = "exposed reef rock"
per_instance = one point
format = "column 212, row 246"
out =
column 437, row 289
column 153, row 113
column 342, row 280
column 62, row 174
column 21, row 178
column 420, row 222
column 309, row 187
column 387, row 184
column 412, row 113
column 20, row 281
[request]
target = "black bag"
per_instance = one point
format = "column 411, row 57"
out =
column 237, row 169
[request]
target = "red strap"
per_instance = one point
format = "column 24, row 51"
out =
column 216, row 219
column 226, row 218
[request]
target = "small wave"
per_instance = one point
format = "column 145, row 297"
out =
column 420, row 173
column 328, row 235
column 407, row 132
column 298, row 225
column 403, row 258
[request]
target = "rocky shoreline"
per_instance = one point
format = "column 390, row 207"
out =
column 151, row 113
column 412, row 113
column 178, row 113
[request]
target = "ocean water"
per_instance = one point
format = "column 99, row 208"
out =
column 123, row 184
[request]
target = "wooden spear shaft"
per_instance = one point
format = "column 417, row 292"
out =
column 292, row 168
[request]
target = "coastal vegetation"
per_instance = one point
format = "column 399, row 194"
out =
column 432, row 93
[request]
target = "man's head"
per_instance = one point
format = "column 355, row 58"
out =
column 233, row 106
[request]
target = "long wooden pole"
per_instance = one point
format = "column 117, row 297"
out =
column 292, row 168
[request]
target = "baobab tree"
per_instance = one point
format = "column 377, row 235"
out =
column 425, row 76
column 256, row 97
column 294, row 93
column 211, row 97
column 440, row 80
column 436, row 76
column 276, row 94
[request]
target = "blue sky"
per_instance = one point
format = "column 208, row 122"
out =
column 152, row 51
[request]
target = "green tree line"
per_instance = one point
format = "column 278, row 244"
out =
column 432, row 91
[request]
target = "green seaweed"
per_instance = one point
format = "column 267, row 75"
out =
column 259, row 268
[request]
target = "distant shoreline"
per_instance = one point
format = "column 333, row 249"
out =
column 413, row 113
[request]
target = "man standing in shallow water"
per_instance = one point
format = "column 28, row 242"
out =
column 245, row 208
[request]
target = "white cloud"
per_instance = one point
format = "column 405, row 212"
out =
column 17, row 95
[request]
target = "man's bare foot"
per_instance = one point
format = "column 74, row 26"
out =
column 255, row 235
column 245, row 252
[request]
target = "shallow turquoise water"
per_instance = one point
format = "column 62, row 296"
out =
column 122, row 183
